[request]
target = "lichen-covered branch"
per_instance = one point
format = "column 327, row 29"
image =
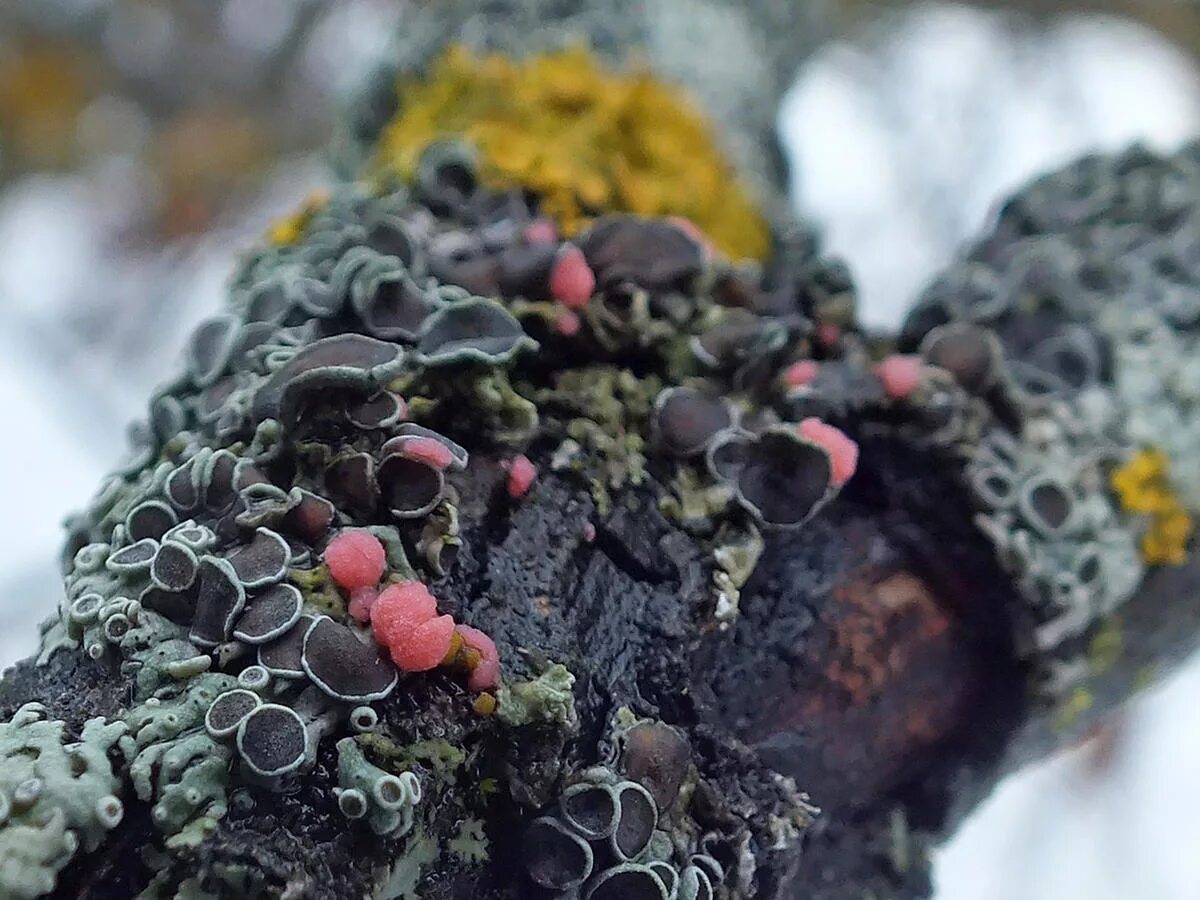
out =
column 482, row 550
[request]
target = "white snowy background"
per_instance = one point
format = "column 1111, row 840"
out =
column 904, row 140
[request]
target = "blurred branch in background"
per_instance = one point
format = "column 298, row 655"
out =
column 903, row 138
column 201, row 98
column 1178, row 19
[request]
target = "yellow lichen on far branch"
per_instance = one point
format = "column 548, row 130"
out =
column 1144, row 487
column 585, row 139
column 289, row 229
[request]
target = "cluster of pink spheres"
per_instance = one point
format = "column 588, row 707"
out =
column 901, row 375
column 572, row 281
column 521, row 475
column 404, row 616
column 798, row 374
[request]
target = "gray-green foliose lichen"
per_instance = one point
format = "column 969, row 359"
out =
column 1077, row 318
column 340, row 389
column 546, row 698
column 385, row 800
column 59, row 793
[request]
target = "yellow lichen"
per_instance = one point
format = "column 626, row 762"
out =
column 1143, row 486
column 318, row 589
column 288, row 229
column 586, row 140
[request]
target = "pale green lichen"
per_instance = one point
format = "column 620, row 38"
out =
column 900, row 849
column 695, row 501
column 174, row 709
column 610, row 414
column 56, row 796
column 546, row 698
column 173, row 762
column 33, row 856
column 471, row 843
column 393, row 546
column 190, row 786
column 631, row 323
column 385, row 801
column 115, row 505
column 319, row 592
column 165, row 661
column 440, row 540
column 53, row 637
column 441, row 756
column 509, row 417
column 736, row 555
column 404, row 880
column 268, row 441
column 1106, row 646
column 438, row 755
column 1072, row 708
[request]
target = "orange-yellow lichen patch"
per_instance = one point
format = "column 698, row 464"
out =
column 587, row 140
column 1144, row 487
column 288, row 229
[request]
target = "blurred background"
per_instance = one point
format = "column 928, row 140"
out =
column 145, row 143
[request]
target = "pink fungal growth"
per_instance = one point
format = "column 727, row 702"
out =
column 404, row 619
column 567, row 324
column 427, row 450
column 572, row 280
column 843, row 452
column 800, row 373
column 541, row 231
column 355, row 559
column 901, row 375
column 828, row 334
column 486, row 674
column 521, row 475
column 361, row 601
